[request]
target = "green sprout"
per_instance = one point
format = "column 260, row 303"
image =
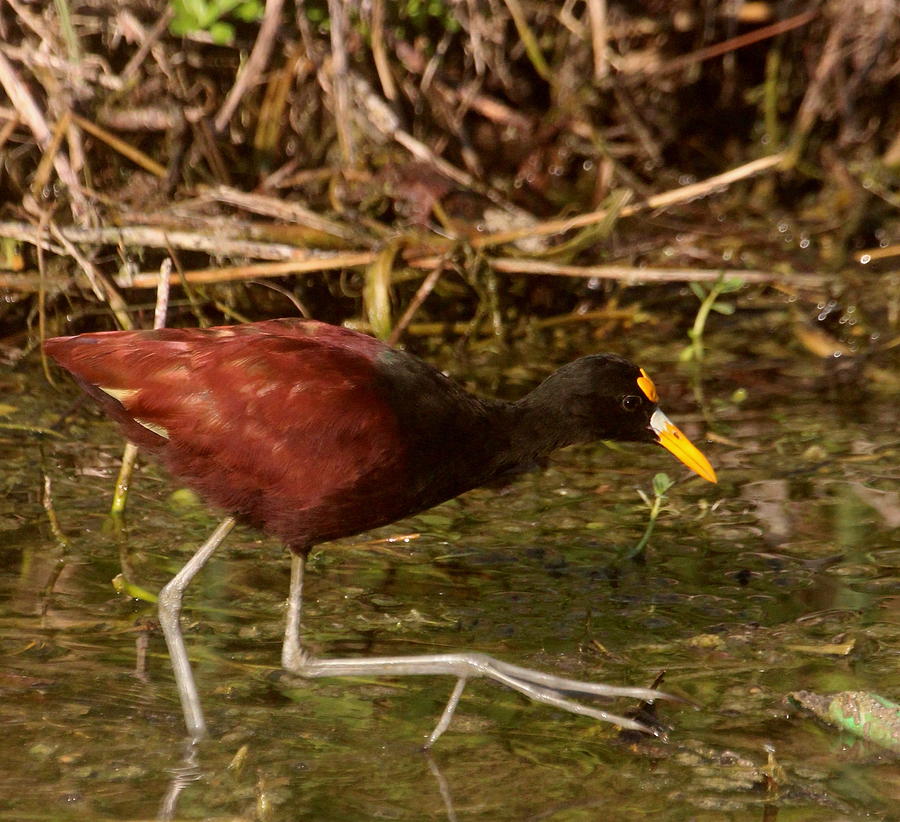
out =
column 709, row 301
column 661, row 484
column 206, row 15
column 131, row 589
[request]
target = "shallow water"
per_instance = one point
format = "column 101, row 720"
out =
column 784, row 577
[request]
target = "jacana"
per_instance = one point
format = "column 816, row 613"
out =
column 312, row 432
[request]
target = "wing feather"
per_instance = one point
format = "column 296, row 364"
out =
column 287, row 430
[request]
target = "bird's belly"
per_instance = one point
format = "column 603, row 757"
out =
column 301, row 508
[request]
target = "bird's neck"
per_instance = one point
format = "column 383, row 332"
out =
column 528, row 430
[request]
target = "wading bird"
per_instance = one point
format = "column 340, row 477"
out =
column 311, row 432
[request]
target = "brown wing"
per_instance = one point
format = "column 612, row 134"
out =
column 288, row 432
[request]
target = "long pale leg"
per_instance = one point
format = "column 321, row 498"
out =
column 169, row 619
column 542, row 687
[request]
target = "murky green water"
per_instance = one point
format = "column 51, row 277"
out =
column 781, row 578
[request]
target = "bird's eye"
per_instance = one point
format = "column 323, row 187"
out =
column 631, row 403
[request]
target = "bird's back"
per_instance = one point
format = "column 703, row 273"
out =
column 305, row 430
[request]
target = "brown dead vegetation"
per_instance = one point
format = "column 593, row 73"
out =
column 404, row 166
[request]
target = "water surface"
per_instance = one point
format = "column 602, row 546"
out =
column 784, row 577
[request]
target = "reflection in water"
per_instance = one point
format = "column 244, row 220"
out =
column 183, row 775
column 770, row 499
column 443, row 786
column 189, row 772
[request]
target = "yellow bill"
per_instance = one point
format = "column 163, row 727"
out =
column 674, row 441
